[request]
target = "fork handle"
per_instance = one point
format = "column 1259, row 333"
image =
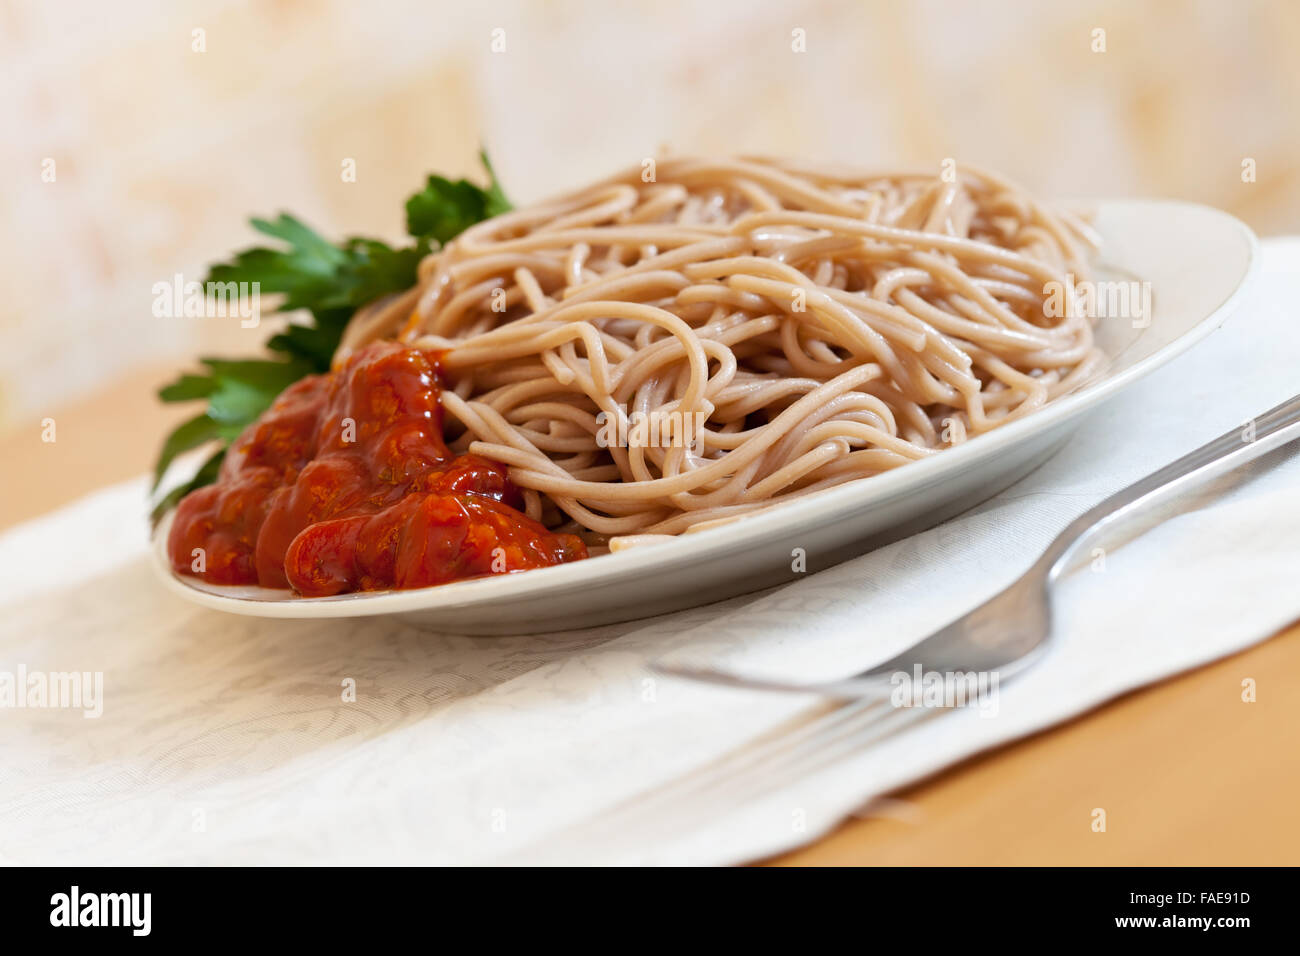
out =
column 1273, row 429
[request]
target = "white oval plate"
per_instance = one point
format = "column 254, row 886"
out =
column 1197, row 260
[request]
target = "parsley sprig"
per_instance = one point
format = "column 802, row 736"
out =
column 329, row 281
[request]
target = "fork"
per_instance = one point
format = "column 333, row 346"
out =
column 1009, row 632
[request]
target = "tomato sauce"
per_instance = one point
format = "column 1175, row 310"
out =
column 345, row 484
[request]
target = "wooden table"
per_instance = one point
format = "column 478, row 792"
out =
column 1187, row 772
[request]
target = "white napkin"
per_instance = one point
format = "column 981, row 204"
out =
column 227, row 740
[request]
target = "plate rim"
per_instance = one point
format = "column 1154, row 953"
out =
column 648, row 558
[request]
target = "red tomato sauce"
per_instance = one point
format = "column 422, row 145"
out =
column 346, row 484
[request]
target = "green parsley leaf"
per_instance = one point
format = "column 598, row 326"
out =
column 188, row 387
column 315, row 343
column 265, row 375
column 497, row 203
column 444, row 209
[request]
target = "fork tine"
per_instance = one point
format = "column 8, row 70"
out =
column 873, row 726
column 853, row 688
column 743, row 777
column 900, row 719
column 653, row 810
column 746, row 758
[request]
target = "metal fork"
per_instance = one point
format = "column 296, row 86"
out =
column 1007, row 633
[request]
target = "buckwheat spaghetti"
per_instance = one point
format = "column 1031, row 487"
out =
column 800, row 326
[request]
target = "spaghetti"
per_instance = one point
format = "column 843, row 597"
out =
column 795, row 327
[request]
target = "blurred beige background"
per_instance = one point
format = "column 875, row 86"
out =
column 160, row 152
